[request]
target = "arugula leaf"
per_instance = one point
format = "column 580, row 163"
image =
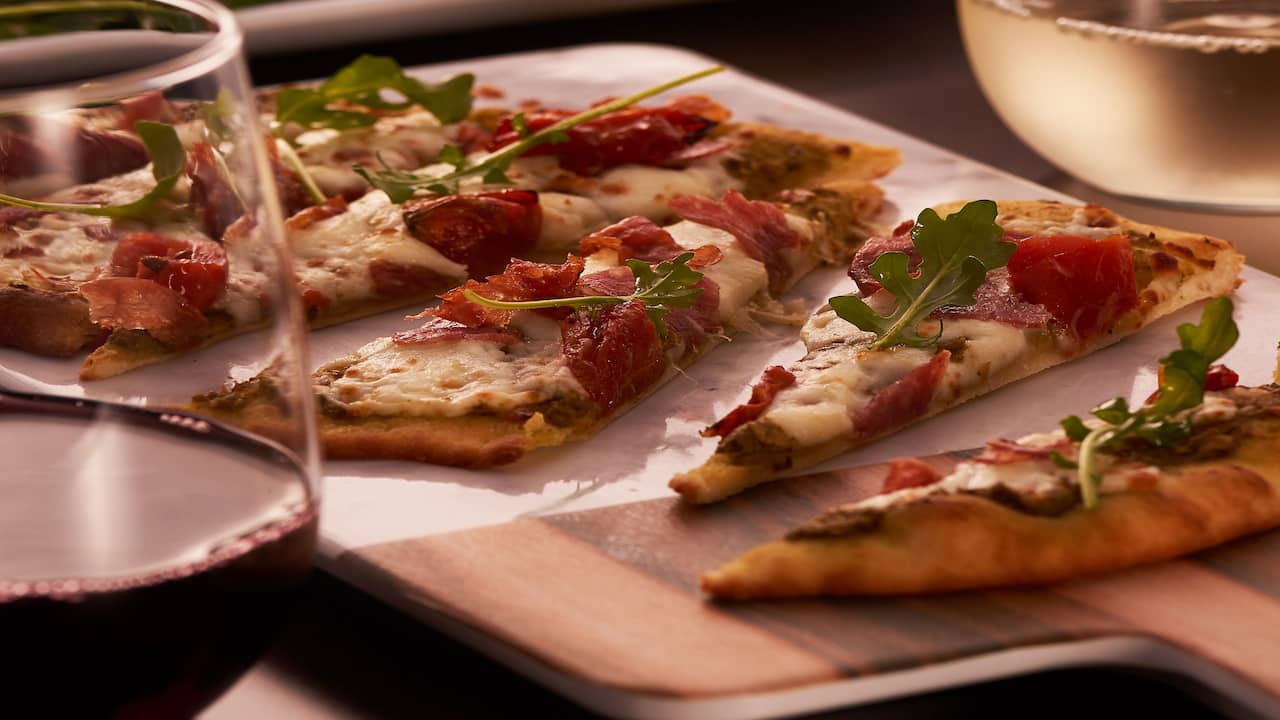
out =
column 363, row 84
column 955, row 256
column 669, row 285
column 168, row 158
column 1163, row 422
column 662, row 287
column 492, row 168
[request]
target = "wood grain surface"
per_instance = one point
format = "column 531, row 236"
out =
column 610, row 596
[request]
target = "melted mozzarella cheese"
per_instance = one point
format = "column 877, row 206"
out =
column 67, row 250
column 1078, row 225
column 403, row 141
column 990, row 348
column 453, row 378
column 1028, row 477
column 332, row 255
column 644, row 190
column 832, row 382
column 840, row 375
column 68, row 241
column 740, row 277
column 566, row 219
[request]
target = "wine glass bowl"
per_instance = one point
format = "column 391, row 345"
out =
column 1151, row 99
column 145, row 552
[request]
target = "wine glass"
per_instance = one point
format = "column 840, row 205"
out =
column 145, row 552
column 1165, row 101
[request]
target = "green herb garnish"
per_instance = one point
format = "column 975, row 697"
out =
column 337, row 103
column 492, row 168
column 955, row 256
column 1163, row 422
column 665, row 286
column 167, row 161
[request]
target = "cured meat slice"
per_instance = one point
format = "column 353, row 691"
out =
column 761, row 229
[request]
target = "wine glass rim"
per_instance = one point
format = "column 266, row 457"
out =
column 1170, row 37
column 225, row 43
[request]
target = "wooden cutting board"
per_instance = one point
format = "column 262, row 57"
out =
column 609, row 596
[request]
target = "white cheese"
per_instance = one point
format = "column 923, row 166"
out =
column 404, row 142
column 600, row 260
column 1078, row 225
column 990, row 348
column 332, row 255
column 1022, row 477
column 1216, row 408
column 839, row 375
column 452, row 378
column 644, row 190
column 566, row 219
column 67, row 241
column 740, row 277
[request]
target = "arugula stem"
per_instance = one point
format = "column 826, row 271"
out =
column 580, row 301
column 295, row 163
column 889, row 337
column 1088, row 476
column 528, row 143
column 500, row 158
column 82, row 208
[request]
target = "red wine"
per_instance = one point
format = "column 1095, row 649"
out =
column 143, row 563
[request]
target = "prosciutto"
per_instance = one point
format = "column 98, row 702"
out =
column 32, row 146
column 760, row 228
column 483, row 231
column 902, row 401
column 643, row 136
column 774, row 380
column 126, row 303
column 522, row 280
column 212, row 197
column 438, row 330
column 614, row 353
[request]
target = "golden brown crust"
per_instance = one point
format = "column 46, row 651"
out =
column 1201, row 267
column 957, row 542
column 773, row 159
column 126, row 350
column 468, row 442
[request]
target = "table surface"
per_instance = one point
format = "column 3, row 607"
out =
column 343, row 654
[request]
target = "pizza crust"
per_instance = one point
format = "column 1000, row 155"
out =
column 1199, row 267
column 945, row 543
column 773, row 159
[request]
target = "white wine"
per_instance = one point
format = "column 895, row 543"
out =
column 1171, row 101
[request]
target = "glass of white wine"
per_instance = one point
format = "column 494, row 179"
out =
column 145, row 552
column 1167, row 100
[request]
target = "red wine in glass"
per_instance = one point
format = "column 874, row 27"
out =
column 145, row 557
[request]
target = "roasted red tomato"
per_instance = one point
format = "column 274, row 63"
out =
column 197, row 271
column 645, row 136
column 908, row 473
column 480, row 230
column 1084, row 283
